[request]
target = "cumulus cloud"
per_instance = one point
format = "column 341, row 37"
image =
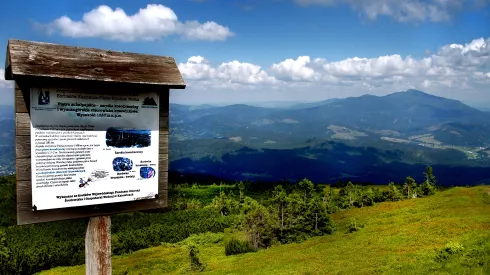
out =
column 455, row 70
column 231, row 74
column 403, row 10
column 150, row 23
column 5, row 83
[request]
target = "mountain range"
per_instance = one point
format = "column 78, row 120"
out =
column 374, row 139
column 367, row 138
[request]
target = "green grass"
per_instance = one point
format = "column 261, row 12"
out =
column 397, row 238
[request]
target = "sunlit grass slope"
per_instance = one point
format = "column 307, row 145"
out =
column 397, row 238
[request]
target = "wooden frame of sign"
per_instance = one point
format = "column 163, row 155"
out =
column 36, row 64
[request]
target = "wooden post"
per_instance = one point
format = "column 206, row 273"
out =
column 98, row 246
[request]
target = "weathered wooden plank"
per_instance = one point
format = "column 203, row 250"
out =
column 98, row 246
column 46, row 60
column 22, row 147
column 163, row 162
column 163, row 146
column 22, row 124
column 164, row 127
column 21, row 103
column 26, row 215
column 163, row 171
column 23, row 169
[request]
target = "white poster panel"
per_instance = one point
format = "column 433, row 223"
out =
column 93, row 148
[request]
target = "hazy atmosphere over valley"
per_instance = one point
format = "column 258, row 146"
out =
column 369, row 90
column 307, row 119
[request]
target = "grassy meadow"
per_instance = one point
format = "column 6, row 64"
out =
column 446, row 233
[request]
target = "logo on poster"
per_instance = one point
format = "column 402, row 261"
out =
column 149, row 102
column 43, row 97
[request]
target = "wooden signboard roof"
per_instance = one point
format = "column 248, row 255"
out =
column 46, row 61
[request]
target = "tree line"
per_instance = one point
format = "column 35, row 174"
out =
column 293, row 212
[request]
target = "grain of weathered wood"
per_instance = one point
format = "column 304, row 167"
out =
column 163, row 146
column 21, row 105
column 22, row 124
column 163, row 171
column 25, row 214
column 164, row 124
column 23, row 169
column 163, row 162
column 46, row 60
column 98, row 246
column 22, row 147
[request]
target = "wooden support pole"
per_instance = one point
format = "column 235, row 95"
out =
column 98, row 246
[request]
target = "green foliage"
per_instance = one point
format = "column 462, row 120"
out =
column 204, row 238
column 225, row 204
column 259, row 226
column 195, row 262
column 43, row 246
column 393, row 193
column 409, row 188
column 4, row 251
column 454, row 256
column 355, row 225
column 241, row 187
column 144, row 230
column 32, row 248
column 7, row 201
column 306, row 187
column 286, row 213
column 426, row 189
column 429, row 176
column 235, row 246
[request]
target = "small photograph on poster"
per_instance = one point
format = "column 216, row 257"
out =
column 99, row 174
column 121, row 164
column 147, row 172
column 43, row 97
column 128, row 138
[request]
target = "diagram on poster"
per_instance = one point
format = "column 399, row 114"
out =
column 93, row 148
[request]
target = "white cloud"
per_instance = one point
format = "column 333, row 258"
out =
column 404, row 10
column 150, row 23
column 455, row 71
column 5, row 83
column 229, row 74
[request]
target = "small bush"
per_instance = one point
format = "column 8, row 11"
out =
column 235, row 246
column 450, row 249
column 355, row 225
column 195, row 262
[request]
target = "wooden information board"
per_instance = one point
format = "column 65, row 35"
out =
column 91, row 130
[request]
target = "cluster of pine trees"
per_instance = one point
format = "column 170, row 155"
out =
column 286, row 216
column 294, row 212
column 359, row 196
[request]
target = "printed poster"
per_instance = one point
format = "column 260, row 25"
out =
column 93, row 148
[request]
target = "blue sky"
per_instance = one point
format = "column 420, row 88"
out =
column 248, row 50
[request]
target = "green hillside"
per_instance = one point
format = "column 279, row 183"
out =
column 447, row 233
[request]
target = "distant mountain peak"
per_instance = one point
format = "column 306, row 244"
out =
column 414, row 91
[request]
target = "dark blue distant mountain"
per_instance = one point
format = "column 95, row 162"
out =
column 371, row 138
column 375, row 135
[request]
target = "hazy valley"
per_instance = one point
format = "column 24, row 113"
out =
column 364, row 139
